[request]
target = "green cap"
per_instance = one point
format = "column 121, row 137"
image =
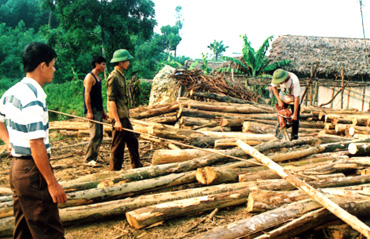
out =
column 279, row 76
column 121, row 55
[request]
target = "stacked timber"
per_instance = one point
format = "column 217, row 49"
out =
column 199, row 147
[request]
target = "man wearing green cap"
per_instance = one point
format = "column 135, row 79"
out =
column 118, row 110
column 290, row 93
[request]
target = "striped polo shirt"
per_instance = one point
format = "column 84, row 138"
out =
column 23, row 109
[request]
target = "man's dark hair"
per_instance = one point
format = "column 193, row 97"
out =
column 97, row 59
column 35, row 53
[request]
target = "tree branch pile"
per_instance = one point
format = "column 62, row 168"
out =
column 196, row 81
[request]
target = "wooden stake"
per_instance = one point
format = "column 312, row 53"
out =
column 351, row 220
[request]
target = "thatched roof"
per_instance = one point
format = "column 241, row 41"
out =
column 331, row 53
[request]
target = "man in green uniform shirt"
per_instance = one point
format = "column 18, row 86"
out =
column 118, row 110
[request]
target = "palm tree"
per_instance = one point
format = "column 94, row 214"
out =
column 217, row 48
column 253, row 63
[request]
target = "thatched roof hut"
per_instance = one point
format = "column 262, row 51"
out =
column 332, row 53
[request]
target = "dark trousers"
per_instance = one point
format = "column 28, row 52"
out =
column 36, row 216
column 96, row 136
column 295, row 123
column 120, row 138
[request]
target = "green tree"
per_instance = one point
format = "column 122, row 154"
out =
column 89, row 27
column 253, row 62
column 12, row 43
column 204, row 65
column 217, row 48
column 171, row 34
column 148, row 55
column 28, row 11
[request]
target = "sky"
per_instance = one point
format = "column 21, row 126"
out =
column 209, row 20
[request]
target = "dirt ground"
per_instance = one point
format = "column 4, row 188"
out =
column 68, row 164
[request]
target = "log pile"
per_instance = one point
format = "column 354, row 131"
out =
column 201, row 145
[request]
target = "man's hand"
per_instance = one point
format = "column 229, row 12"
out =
column 105, row 116
column 295, row 117
column 90, row 116
column 57, row 193
column 280, row 103
column 118, row 125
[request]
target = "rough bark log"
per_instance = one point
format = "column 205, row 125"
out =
column 147, row 216
column 279, row 157
column 91, row 181
column 98, row 211
column 169, row 118
column 312, row 192
column 151, row 112
column 263, row 200
column 192, row 121
column 299, row 225
column 251, row 227
column 221, row 98
column 301, row 165
column 121, row 190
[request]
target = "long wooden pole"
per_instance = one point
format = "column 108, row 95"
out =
column 351, row 220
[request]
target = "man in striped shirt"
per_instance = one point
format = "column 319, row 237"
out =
column 24, row 127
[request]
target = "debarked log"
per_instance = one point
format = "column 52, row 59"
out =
column 359, row 149
column 231, row 143
column 162, row 156
column 213, row 175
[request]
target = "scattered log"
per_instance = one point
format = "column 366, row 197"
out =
column 359, row 149
column 312, row 192
column 358, row 130
column 98, row 211
column 211, row 175
column 169, row 118
column 151, row 112
column 221, row 98
column 192, row 121
column 331, row 147
column 150, row 215
column 163, row 156
column 240, row 136
column 301, row 165
column 253, row 226
column 299, row 225
column 231, row 143
column 5, row 192
column 263, row 200
column 234, row 108
column 258, row 128
column 125, row 189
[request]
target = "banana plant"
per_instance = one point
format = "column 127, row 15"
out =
column 253, row 63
